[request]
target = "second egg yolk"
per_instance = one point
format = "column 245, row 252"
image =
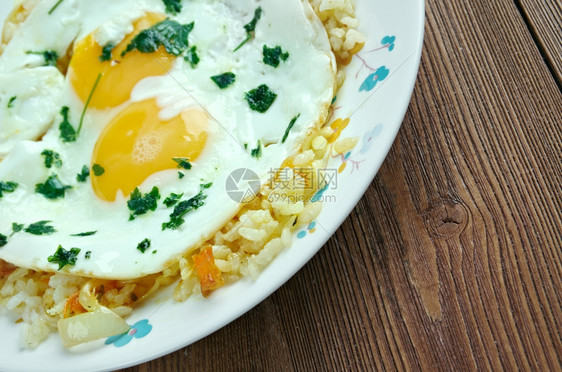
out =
column 137, row 144
column 120, row 74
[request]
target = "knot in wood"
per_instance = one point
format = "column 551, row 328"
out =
column 446, row 218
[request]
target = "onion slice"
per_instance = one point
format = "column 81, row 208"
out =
column 91, row 326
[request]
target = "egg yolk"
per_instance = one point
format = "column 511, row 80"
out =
column 120, row 74
column 137, row 143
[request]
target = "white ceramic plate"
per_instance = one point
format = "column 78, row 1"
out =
column 375, row 96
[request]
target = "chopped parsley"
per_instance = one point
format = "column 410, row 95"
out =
column 52, row 158
column 260, row 98
column 291, row 124
column 192, row 57
column 88, row 255
column 16, row 228
column 55, row 7
column 67, row 131
column 87, row 233
column 106, row 52
column 170, row 34
column 172, row 200
column 206, row 185
column 7, row 187
column 64, row 257
column 83, row 175
column 173, row 6
column 88, row 103
column 181, row 175
column 53, row 188
column 40, row 228
column 183, row 163
column 225, row 80
column 273, row 56
column 144, row 245
column 154, row 251
column 98, row 170
column 140, row 204
column 256, row 153
column 3, row 240
column 250, row 28
column 181, row 209
column 11, row 101
column 50, row 57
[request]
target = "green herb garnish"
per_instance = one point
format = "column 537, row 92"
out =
column 7, row 187
column 181, row 209
column 144, row 245
column 83, row 175
column 260, row 98
column 225, row 80
column 16, row 228
column 98, row 170
column 106, row 52
column 67, row 131
column 88, row 103
column 55, row 7
column 50, row 57
column 64, row 257
column 172, row 200
column 250, row 28
column 273, row 56
column 52, row 158
column 52, row 188
column 170, row 34
column 173, row 6
column 183, row 163
column 256, row 153
column 205, row 185
column 3, row 240
column 11, row 101
column 181, row 175
column 87, row 233
column 40, row 228
column 192, row 57
column 291, row 124
column 141, row 204
column 88, row 255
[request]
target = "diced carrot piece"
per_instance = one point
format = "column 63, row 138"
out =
column 72, row 306
column 6, row 268
column 207, row 271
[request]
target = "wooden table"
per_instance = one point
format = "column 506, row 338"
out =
column 452, row 260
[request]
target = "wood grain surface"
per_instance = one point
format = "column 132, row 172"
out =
column 452, row 261
column 543, row 19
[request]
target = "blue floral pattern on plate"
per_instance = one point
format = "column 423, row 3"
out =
column 138, row 330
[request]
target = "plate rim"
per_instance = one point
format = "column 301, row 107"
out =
column 320, row 241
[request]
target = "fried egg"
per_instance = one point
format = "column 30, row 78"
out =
column 152, row 105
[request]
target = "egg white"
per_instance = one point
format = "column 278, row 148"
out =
column 305, row 86
column 31, row 99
